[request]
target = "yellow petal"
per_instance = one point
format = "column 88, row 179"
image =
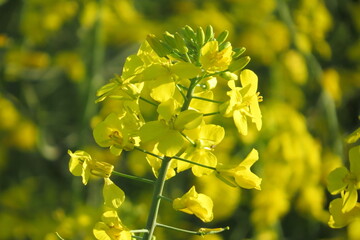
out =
column 113, row 195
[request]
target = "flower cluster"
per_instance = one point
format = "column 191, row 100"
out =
column 177, row 76
column 346, row 182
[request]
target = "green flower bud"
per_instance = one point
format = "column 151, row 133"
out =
column 200, row 36
column 161, row 48
column 180, row 43
column 239, row 64
column 229, row 76
column 209, row 33
column 238, row 52
column 169, row 39
column 222, row 36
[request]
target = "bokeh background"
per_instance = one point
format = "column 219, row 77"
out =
column 54, row 55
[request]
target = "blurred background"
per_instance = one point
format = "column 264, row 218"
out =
column 54, row 55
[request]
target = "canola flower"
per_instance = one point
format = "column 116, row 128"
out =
column 195, row 203
column 177, row 76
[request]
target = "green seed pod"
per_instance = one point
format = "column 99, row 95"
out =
column 209, row 33
column 158, row 46
column 239, row 64
column 180, row 43
column 222, row 36
column 200, row 36
column 238, row 52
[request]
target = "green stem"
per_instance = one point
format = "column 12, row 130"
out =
column 201, row 233
column 148, row 101
column 156, row 199
column 140, row 179
column 187, row 138
column 150, row 153
column 195, row 163
column 189, row 94
column 166, row 198
column 139, row 231
column 182, row 94
column 208, row 100
column 210, row 114
column 177, row 229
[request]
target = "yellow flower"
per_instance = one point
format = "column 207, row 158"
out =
column 195, row 203
column 213, row 60
column 206, row 137
column 243, row 102
column 111, row 228
column 81, row 164
column 338, row 218
column 113, row 195
column 241, row 175
column 118, row 131
column 346, row 182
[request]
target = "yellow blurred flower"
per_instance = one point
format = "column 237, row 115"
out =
column 9, row 116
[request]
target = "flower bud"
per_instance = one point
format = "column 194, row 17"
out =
column 229, row 76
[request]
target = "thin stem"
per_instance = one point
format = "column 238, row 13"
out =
column 182, row 94
column 139, row 231
column 150, row 153
column 206, row 99
column 140, row 179
column 201, row 232
column 187, row 138
column 183, row 87
column 156, row 199
column 148, row 101
column 210, row 114
column 166, row 198
column 136, row 237
column 177, row 229
column 195, row 163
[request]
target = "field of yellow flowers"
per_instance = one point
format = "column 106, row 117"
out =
column 242, row 117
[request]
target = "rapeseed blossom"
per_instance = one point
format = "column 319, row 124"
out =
column 241, row 175
column 346, row 182
column 243, row 102
column 118, row 131
column 195, row 203
column 213, row 60
column 111, row 228
column 81, row 164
